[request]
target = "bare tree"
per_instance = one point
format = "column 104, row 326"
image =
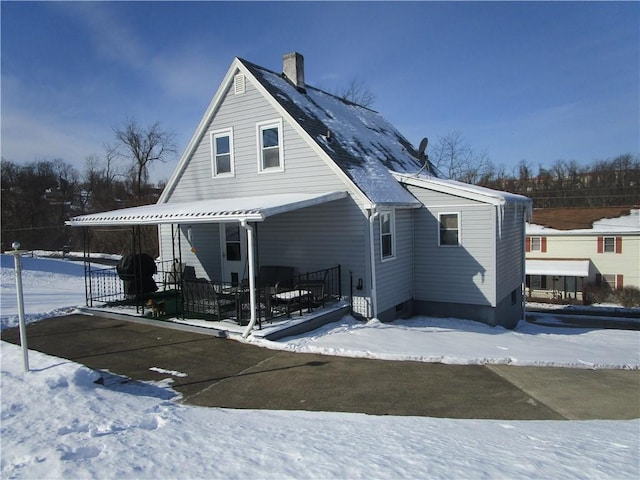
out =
column 143, row 146
column 453, row 156
column 358, row 92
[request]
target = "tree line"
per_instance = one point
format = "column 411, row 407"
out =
column 601, row 183
column 38, row 197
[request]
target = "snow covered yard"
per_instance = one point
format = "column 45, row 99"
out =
column 57, row 423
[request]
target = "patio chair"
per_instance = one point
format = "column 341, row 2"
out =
column 201, row 297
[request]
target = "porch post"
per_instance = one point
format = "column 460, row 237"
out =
column 252, row 278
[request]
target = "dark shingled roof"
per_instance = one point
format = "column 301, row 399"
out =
column 359, row 140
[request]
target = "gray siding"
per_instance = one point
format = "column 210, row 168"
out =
column 310, row 239
column 464, row 274
column 203, row 253
column 510, row 249
column 316, row 238
column 304, row 170
column 395, row 276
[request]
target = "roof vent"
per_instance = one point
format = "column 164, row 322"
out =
column 238, row 84
column 293, row 67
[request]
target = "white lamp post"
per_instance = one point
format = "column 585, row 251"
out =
column 16, row 252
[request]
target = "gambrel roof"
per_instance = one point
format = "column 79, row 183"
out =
column 357, row 142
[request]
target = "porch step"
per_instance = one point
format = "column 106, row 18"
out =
column 304, row 326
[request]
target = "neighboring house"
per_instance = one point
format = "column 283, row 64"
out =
column 568, row 249
column 281, row 173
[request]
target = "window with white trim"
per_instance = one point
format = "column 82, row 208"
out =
column 222, row 153
column 536, row 244
column 270, row 151
column 609, row 244
column 449, row 230
column 387, row 235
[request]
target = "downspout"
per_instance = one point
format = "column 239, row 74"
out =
column 373, row 214
column 523, row 285
column 252, row 278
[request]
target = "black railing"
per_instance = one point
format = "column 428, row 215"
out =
column 106, row 286
column 103, row 286
column 218, row 301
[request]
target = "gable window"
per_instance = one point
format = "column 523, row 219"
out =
column 449, row 233
column 222, row 153
column 270, row 153
column 387, row 234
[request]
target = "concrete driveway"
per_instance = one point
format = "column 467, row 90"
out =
column 218, row 372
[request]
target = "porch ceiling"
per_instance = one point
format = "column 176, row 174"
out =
column 253, row 209
column 567, row 268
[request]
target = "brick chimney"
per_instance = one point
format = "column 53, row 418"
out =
column 293, row 67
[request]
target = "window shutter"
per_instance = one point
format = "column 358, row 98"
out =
column 543, row 244
column 543, row 281
column 528, row 245
column 618, row 244
column 600, row 244
column 598, row 279
column 619, row 282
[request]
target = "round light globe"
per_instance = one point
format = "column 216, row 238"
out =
column 15, row 245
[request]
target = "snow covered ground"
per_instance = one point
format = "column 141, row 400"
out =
column 57, row 423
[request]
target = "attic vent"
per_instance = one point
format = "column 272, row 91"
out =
column 238, row 84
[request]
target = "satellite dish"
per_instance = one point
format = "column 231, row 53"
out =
column 422, row 147
column 421, row 156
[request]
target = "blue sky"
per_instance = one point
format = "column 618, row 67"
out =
column 534, row 81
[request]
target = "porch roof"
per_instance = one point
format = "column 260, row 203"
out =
column 253, row 209
column 566, row 268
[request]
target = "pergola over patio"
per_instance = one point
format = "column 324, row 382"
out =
column 244, row 210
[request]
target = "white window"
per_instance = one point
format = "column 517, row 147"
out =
column 536, row 244
column 270, row 151
column 609, row 244
column 387, row 235
column 222, row 153
column 449, row 231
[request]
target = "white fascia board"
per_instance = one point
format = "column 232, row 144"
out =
column 201, row 129
column 471, row 193
column 252, row 209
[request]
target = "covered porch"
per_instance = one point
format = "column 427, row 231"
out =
column 556, row 280
column 192, row 285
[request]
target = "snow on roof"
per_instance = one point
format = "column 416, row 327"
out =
column 253, row 209
column 359, row 140
column 629, row 224
column 568, row 268
column 465, row 190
